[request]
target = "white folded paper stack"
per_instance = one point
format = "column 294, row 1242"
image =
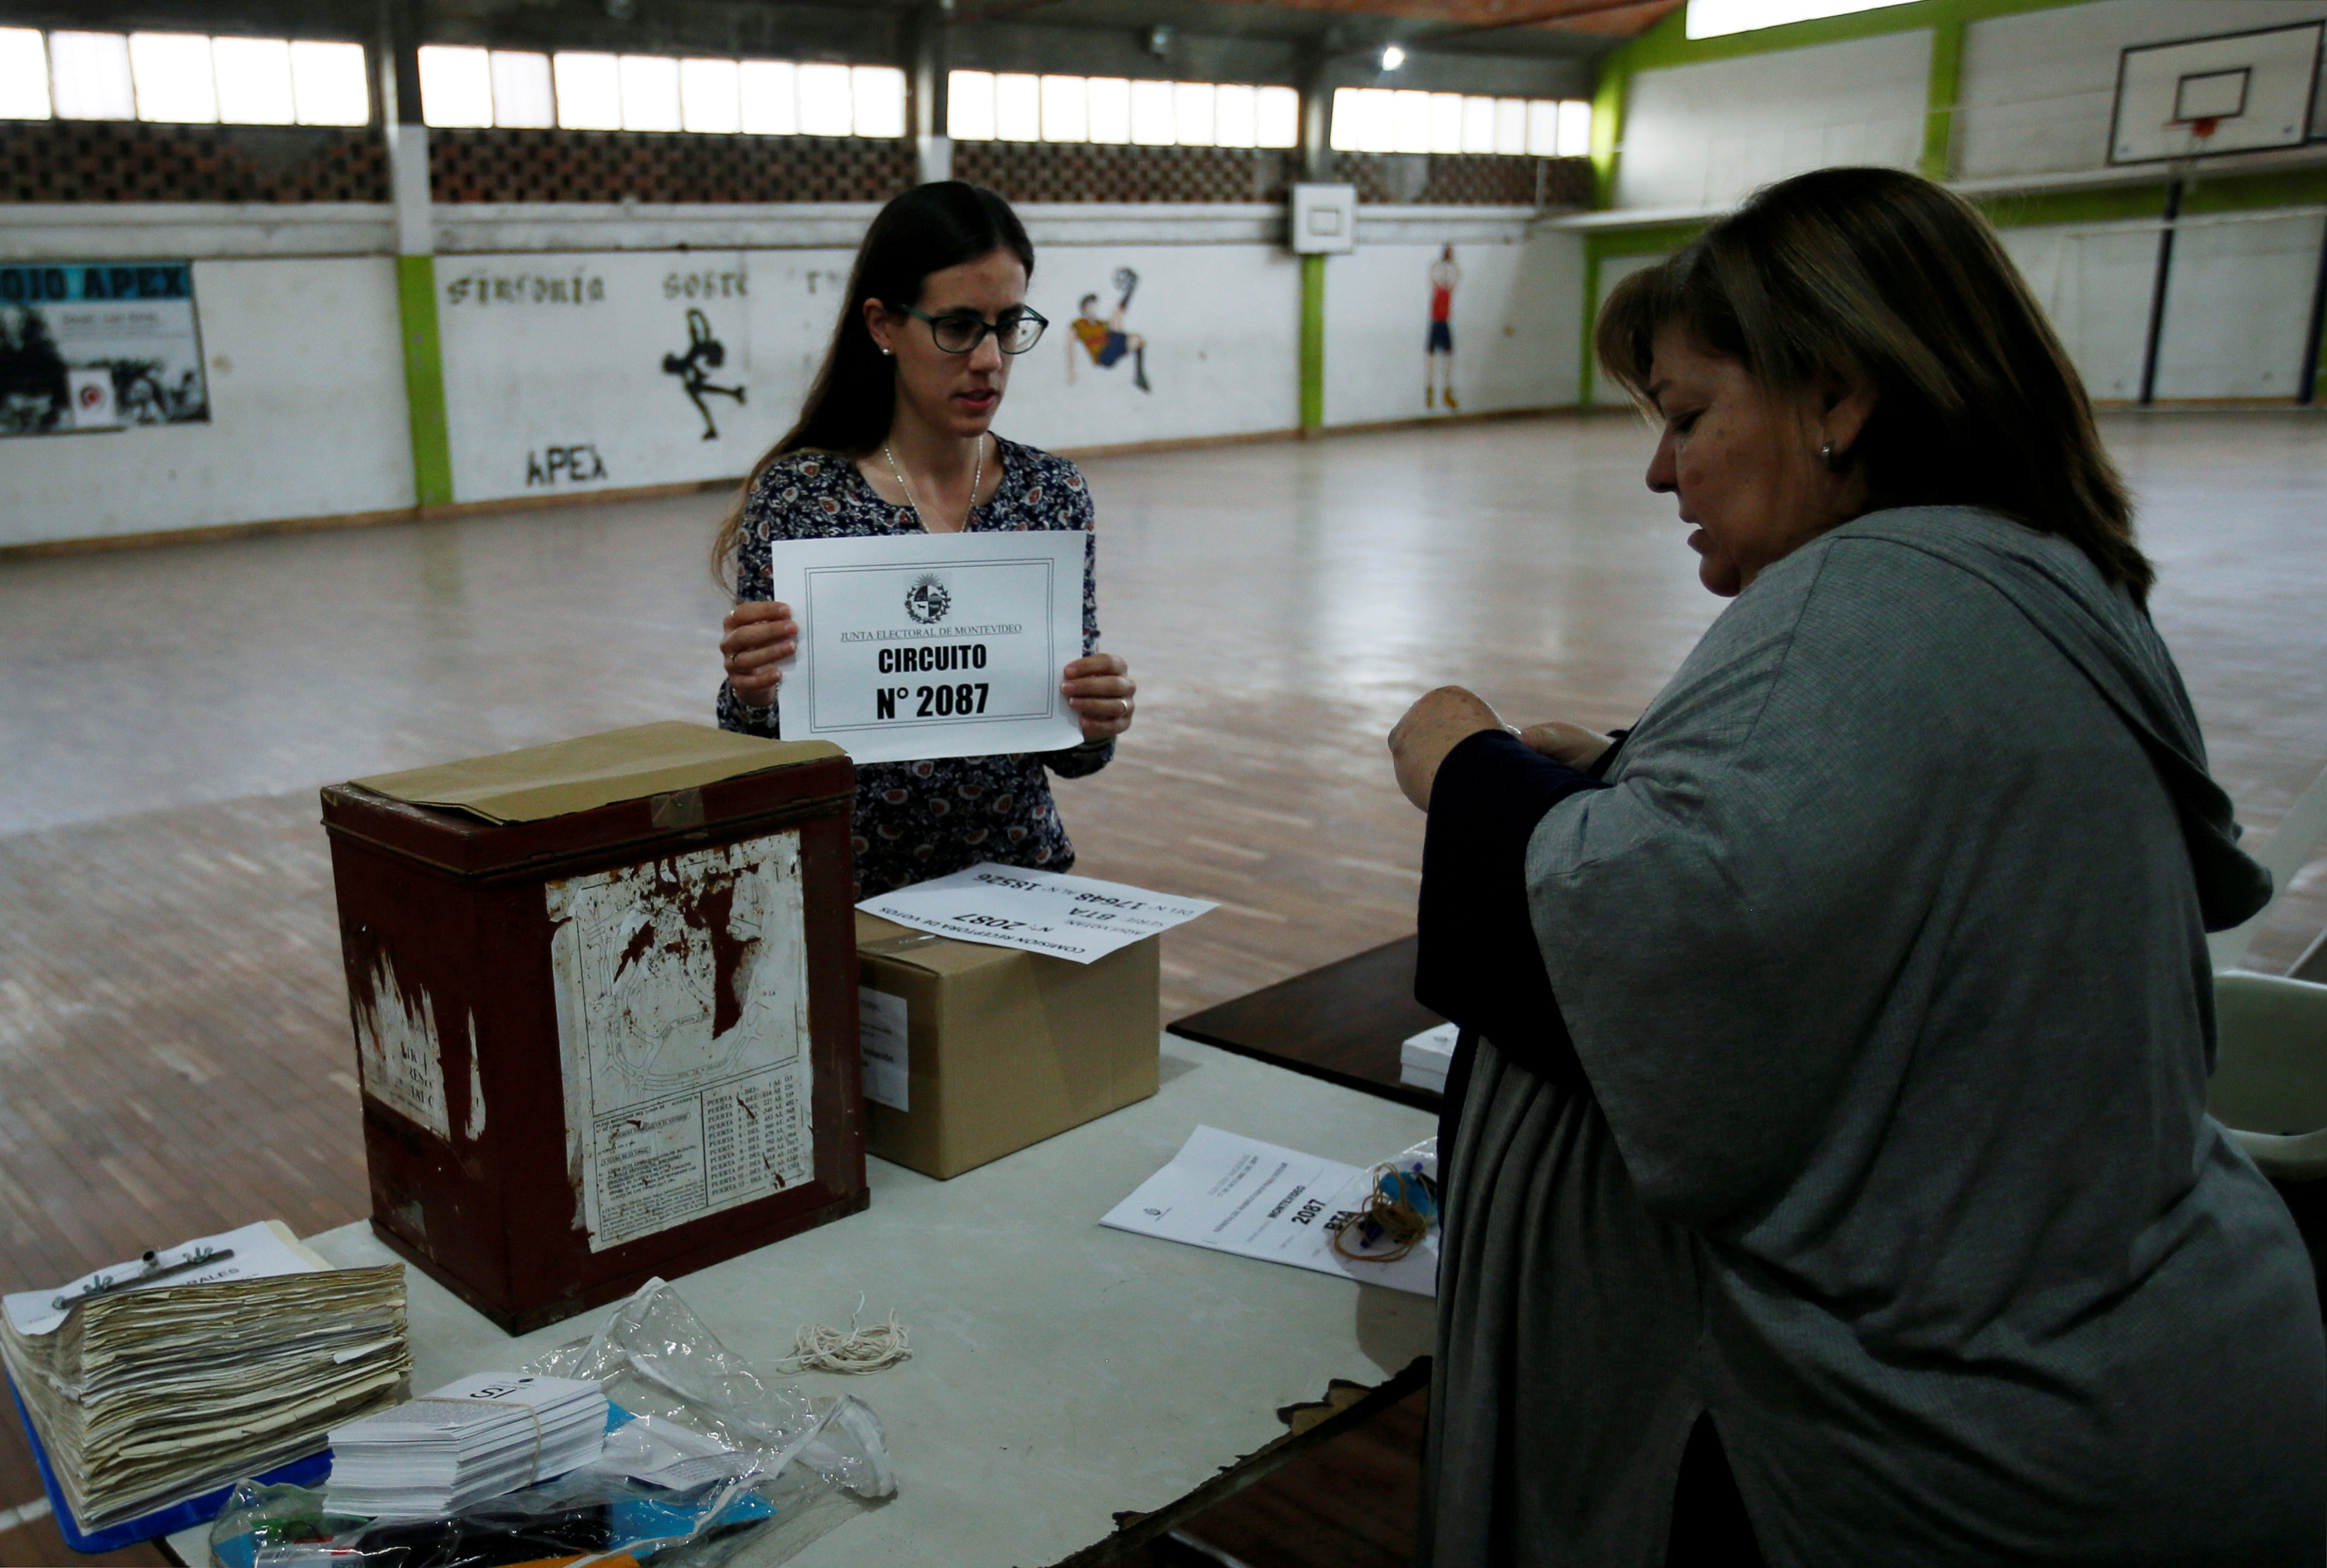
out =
column 480, row 1437
column 1423, row 1060
column 154, row 1381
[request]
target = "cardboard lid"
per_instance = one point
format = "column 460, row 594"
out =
column 564, row 777
column 879, row 938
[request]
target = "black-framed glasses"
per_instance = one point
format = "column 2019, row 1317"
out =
column 960, row 333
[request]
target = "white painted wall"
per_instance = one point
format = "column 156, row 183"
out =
column 2094, row 284
column 1516, row 318
column 1607, row 392
column 2237, row 310
column 2037, row 87
column 1222, row 329
column 307, row 416
column 1708, row 135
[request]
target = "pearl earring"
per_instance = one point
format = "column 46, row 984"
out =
column 886, row 352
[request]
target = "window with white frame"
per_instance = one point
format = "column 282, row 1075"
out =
column 182, row 78
column 1008, row 107
column 581, row 90
column 1377, row 120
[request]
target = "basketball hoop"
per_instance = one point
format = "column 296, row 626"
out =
column 2203, row 127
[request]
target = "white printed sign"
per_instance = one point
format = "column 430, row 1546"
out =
column 882, row 1022
column 918, row 646
column 1039, row 911
column 683, row 1031
column 256, row 1252
column 1240, row 1195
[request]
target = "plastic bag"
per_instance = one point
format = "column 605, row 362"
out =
column 703, row 1458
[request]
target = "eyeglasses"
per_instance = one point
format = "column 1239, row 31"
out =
column 961, row 333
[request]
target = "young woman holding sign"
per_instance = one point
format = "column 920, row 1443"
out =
column 894, row 439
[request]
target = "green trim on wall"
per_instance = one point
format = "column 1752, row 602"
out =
column 1313, row 341
column 1607, row 126
column 1945, row 85
column 424, row 381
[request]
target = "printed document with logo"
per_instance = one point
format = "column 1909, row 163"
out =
column 917, row 646
column 1076, row 917
column 1238, row 1194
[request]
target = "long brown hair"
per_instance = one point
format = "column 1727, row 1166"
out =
column 1878, row 274
column 927, row 229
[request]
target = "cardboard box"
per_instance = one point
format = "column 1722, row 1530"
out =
column 1001, row 1049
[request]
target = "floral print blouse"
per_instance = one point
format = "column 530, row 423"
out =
column 919, row 820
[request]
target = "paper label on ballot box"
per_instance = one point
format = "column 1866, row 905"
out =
column 682, row 1030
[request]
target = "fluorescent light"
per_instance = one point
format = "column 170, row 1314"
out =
column 89, row 76
column 523, row 98
column 589, row 91
column 1712, row 18
column 175, row 78
column 771, row 90
column 1192, row 113
column 331, row 83
column 1066, row 108
column 254, row 80
column 1393, row 57
column 1574, row 128
column 969, row 105
column 650, row 92
column 1409, row 121
column 827, row 104
column 1109, row 101
column 710, row 98
column 1234, row 122
column 24, row 75
column 878, row 92
column 1277, row 117
column 456, row 86
column 1150, row 114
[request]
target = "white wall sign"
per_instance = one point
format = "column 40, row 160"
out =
column 96, row 345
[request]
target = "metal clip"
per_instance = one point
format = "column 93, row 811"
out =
column 155, row 1269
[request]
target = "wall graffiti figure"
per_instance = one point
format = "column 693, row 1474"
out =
column 701, row 349
column 1106, row 341
column 1438, row 359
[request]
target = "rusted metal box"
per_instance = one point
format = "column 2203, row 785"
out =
column 612, row 1042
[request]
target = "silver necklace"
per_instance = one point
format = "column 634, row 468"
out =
column 976, row 477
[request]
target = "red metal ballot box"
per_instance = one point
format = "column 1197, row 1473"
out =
column 604, row 999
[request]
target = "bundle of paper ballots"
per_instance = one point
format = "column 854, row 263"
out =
column 480, row 1437
column 154, row 1382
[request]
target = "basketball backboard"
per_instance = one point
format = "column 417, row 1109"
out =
column 2236, row 92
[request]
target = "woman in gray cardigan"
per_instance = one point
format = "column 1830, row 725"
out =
column 1831, row 1183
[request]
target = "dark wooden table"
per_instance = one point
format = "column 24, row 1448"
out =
column 1342, row 1023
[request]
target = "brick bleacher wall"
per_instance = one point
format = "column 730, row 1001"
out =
column 115, row 161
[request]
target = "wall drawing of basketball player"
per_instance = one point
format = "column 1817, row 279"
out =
column 701, row 349
column 1106, row 341
column 1438, row 359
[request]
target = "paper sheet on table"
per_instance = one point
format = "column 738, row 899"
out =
column 917, row 646
column 261, row 1251
column 1240, row 1195
column 1074, row 917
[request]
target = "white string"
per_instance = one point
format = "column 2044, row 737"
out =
column 819, row 1348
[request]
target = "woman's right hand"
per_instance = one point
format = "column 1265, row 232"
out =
column 753, row 639
column 1572, row 744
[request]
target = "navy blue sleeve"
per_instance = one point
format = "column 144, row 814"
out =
column 1477, row 961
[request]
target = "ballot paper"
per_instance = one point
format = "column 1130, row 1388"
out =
column 489, row 1433
column 916, row 646
column 147, row 1395
column 1423, row 1060
column 1240, row 1195
column 1074, row 917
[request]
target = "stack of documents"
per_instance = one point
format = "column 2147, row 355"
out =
column 485, row 1435
column 1423, row 1060
column 155, row 1381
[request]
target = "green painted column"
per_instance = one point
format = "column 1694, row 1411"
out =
column 423, row 381
column 1945, row 84
column 1313, row 343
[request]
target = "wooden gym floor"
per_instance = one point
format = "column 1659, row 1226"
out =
column 173, row 1031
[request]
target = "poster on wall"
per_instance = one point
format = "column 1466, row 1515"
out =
column 99, row 345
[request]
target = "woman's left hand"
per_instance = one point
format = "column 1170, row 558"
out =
column 1100, row 688
column 1432, row 727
